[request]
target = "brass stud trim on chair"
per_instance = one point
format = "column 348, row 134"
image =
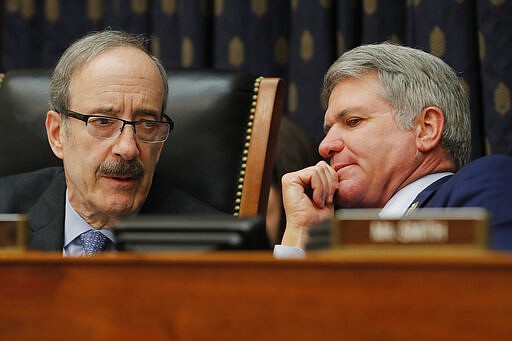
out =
column 245, row 151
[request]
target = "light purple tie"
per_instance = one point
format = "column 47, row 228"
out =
column 93, row 242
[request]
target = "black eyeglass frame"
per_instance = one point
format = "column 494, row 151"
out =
column 85, row 118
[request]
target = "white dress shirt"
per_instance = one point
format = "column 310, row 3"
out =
column 396, row 207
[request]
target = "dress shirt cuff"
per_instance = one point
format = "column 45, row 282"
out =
column 285, row 251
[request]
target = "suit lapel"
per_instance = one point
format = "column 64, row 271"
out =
column 46, row 217
column 424, row 196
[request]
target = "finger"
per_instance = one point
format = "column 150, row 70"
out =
column 323, row 184
column 331, row 181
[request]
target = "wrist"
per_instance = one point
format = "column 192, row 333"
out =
column 295, row 236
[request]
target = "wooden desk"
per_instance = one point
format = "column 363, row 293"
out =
column 233, row 296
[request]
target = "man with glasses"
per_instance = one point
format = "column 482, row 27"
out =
column 107, row 123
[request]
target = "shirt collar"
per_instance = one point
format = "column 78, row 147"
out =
column 399, row 203
column 75, row 225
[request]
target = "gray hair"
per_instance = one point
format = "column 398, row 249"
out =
column 82, row 51
column 411, row 80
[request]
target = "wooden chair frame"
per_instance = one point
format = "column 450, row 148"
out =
column 262, row 132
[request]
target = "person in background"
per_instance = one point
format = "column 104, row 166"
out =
column 107, row 123
column 295, row 150
column 397, row 136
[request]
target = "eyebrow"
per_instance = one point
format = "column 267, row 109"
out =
column 344, row 112
column 114, row 113
column 102, row 110
column 145, row 112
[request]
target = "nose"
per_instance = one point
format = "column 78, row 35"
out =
column 126, row 143
column 331, row 144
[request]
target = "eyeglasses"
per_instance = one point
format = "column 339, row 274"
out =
column 105, row 127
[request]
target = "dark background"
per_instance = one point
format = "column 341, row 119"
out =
column 293, row 39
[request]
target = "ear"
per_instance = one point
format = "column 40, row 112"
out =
column 54, row 125
column 429, row 128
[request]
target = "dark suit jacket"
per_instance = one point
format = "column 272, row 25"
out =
column 41, row 195
column 487, row 183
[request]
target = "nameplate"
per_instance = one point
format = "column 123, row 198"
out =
column 458, row 227
column 13, row 232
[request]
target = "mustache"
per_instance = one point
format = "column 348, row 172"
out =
column 133, row 169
